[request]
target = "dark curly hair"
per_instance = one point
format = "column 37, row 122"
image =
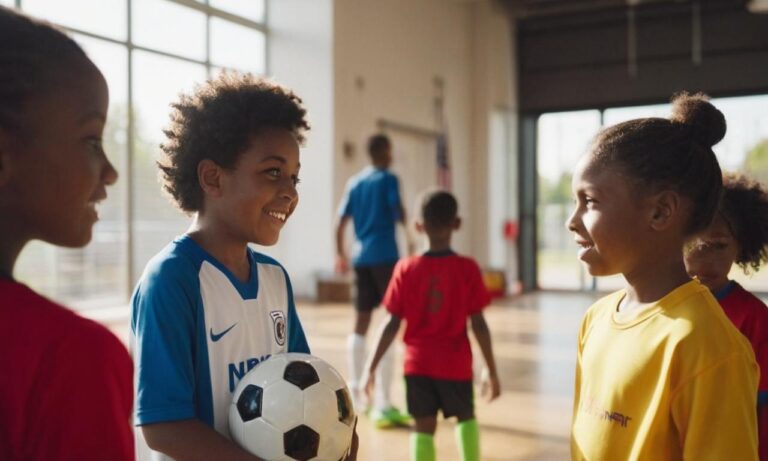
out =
column 744, row 208
column 33, row 54
column 675, row 153
column 216, row 122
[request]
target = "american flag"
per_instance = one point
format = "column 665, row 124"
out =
column 443, row 162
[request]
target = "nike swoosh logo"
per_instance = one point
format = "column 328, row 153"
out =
column 216, row 337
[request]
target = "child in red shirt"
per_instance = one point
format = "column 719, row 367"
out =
column 738, row 234
column 66, row 382
column 435, row 293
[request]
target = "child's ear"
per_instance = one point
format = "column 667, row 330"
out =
column 457, row 223
column 665, row 206
column 209, row 177
column 419, row 226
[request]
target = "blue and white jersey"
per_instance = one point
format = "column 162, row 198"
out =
column 197, row 330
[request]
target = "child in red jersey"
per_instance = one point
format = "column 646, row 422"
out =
column 435, row 293
column 738, row 234
column 66, row 382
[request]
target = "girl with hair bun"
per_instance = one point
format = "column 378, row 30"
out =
column 655, row 358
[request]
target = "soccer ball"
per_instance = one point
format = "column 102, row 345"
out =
column 293, row 407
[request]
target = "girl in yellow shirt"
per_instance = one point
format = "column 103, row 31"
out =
column 656, row 358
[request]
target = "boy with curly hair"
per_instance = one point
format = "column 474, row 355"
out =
column 738, row 234
column 208, row 308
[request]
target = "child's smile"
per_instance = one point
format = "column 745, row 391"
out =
column 585, row 246
column 278, row 215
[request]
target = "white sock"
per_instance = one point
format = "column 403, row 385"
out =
column 381, row 400
column 356, row 358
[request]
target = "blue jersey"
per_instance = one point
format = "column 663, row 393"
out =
column 197, row 330
column 372, row 199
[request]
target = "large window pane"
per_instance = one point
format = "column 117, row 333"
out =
column 94, row 276
column 157, row 82
column 252, row 9
column 102, row 17
column 747, row 120
column 97, row 275
column 623, row 114
column 562, row 139
column 237, row 47
column 169, row 27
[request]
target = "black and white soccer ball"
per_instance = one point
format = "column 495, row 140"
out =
column 293, row 407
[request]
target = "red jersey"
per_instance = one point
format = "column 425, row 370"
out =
column 435, row 294
column 66, row 383
column 750, row 316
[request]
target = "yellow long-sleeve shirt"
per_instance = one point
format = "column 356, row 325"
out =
column 677, row 382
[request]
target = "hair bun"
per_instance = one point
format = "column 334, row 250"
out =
column 707, row 123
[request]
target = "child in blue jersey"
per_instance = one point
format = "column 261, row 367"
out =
column 372, row 202
column 208, row 308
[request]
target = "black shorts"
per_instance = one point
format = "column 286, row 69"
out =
column 425, row 396
column 371, row 284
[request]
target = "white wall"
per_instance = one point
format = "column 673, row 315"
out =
column 387, row 54
column 355, row 62
column 301, row 57
column 494, row 130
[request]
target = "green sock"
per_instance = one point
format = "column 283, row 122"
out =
column 422, row 447
column 468, row 439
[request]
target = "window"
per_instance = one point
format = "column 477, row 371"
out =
column 623, row 114
column 157, row 81
column 251, row 9
column 101, row 17
column 173, row 44
column 248, row 57
column 166, row 26
column 562, row 139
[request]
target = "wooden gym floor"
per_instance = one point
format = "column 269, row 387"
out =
column 534, row 340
